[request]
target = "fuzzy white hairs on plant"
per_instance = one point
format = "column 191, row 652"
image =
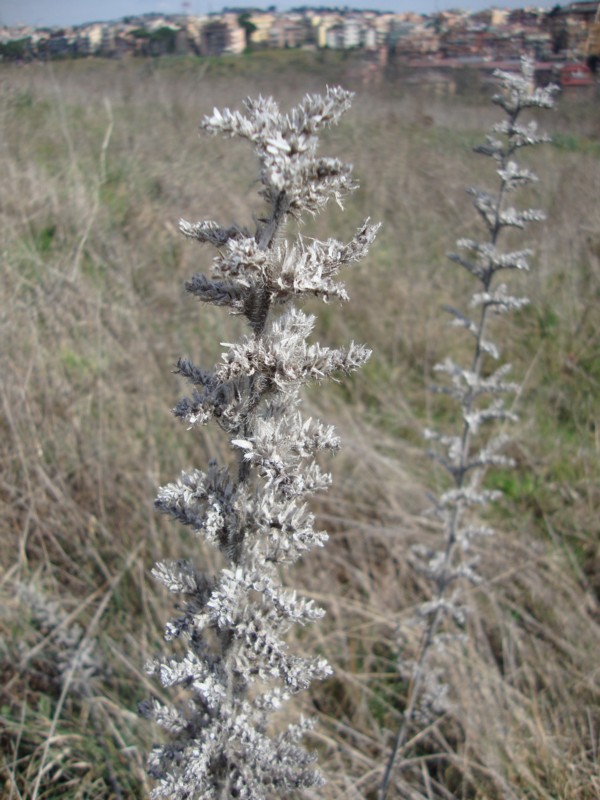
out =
column 237, row 668
column 480, row 390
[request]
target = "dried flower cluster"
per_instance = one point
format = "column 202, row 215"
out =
column 236, row 666
column 479, row 389
column 70, row 657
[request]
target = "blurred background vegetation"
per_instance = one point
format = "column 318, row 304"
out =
column 99, row 160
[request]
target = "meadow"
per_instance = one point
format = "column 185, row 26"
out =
column 99, row 160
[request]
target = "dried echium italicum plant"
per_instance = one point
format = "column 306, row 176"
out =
column 71, row 658
column 479, row 390
column 237, row 668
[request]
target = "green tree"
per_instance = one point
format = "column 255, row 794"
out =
column 245, row 22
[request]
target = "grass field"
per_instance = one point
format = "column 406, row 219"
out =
column 98, row 161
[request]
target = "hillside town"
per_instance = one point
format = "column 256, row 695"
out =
column 567, row 35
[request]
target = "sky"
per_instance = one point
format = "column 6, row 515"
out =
column 76, row 12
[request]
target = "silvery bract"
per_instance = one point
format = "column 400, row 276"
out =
column 236, row 666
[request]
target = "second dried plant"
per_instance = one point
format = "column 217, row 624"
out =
column 479, row 389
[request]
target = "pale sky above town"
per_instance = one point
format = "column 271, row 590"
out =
column 76, row 12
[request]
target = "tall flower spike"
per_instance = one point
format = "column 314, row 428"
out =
column 479, row 389
column 235, row 664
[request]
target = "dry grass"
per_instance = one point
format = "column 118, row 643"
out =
column 98, row 162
